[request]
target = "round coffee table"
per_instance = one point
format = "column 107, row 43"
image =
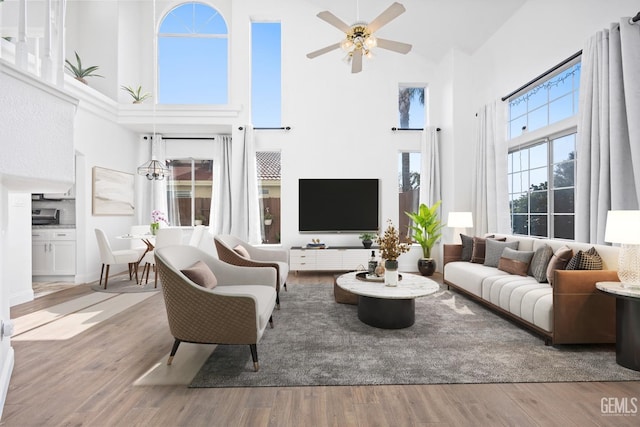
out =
column 388, row 307
column 627, row 321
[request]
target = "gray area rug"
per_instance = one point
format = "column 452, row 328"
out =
column 316, row 341
column 121, row 284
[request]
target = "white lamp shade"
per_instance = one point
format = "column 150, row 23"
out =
column 623, row 227
column 460, row 220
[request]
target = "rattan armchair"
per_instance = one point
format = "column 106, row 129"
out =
column 236, row 311
column 258, row 257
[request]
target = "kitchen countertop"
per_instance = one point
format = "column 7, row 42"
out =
column 54, row 226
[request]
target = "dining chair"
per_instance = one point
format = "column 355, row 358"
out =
column 196, row 236
column 164, row 237
column 109, row 257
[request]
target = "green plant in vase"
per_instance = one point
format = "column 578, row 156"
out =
column 137, row 94
column 79, row 72
column 427, row 230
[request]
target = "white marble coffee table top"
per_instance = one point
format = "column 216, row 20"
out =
column 411, row 286
column 618, row 289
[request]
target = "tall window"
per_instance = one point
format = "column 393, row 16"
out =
column 266, row 81
column 408, row 189
column 189, row 191
column 541, row 171
column 268, row 165
column 192, row 56
column 411, row 110
column 541, row 188
column 551, row 101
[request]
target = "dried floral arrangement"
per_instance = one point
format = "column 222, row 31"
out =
column 390, row 246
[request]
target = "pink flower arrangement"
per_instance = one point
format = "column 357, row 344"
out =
column 159, row 216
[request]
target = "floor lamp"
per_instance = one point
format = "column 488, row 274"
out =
column 624, row 227
column 459, row 221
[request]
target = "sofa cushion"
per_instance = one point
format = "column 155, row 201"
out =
column 515, row 262
column 493, row 251
column 467, row 247
column 539, row 263
column 200, row 274
column 558, row 261
column 479, row 248
column 469, row 276
column 585, row 260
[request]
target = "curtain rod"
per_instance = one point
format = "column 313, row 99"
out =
column 267, row 128
column 395, row 129
column 554, row 68
column 185, row 137
column 543, row 75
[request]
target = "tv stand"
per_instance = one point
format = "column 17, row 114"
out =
column 333, row 258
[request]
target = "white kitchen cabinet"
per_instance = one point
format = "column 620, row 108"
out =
column 349, row 258
column 53, row 252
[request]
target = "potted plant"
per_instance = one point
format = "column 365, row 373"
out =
column 80, row 73
column 136, row 94
column 426, row 232
column 157, row 216
column 390, row 250
column 199, row 219
column 268, row 218
column 367, row 239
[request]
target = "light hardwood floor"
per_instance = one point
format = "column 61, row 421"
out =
column 88, row 380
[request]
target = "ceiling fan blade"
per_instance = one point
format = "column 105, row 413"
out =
column 356, row 61
column 392, row 12
column 334, row 20
column 394, row 45
column 323, row 50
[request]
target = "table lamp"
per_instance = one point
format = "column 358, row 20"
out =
column 624, row 227
column 459, row 221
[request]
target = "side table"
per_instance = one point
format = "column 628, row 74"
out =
column 627, row 323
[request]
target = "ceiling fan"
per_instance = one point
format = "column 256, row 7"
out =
column 359, row 39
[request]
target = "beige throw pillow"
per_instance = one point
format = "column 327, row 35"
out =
column 200, row 274
column 558, row 261
column 242, row 251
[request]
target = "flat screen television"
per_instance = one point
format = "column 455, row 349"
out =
column 338, row 205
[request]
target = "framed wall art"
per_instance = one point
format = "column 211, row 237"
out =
column 113, row 192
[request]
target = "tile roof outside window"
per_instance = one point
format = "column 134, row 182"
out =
column 268, row 165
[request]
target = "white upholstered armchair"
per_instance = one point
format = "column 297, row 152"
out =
column 238, row 252
column 211, row 302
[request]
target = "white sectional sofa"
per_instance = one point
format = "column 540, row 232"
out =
column 571, row 311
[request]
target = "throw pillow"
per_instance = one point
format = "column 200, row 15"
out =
column 493, row 251
column 558, row 261
column 539, row 263
column 515, row 262
column 200, row 274
column 242, row 251
column 585, row 260
column 467, row 247
column 479, row 248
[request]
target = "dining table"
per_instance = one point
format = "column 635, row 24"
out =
column 148, row 239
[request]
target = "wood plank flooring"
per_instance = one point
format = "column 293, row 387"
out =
column 88, row 380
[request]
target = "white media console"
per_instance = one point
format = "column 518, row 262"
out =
column 336, row 258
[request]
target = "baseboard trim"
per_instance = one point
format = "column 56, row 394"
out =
column 5, row 377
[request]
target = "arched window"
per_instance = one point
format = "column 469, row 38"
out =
column 193, row 50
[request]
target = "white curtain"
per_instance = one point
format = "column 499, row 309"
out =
column 221, row 213
column 236, row 208
column 608, row 147
column 430, row 168
column 490, row 205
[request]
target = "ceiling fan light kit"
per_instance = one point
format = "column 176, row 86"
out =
column 359, row 38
